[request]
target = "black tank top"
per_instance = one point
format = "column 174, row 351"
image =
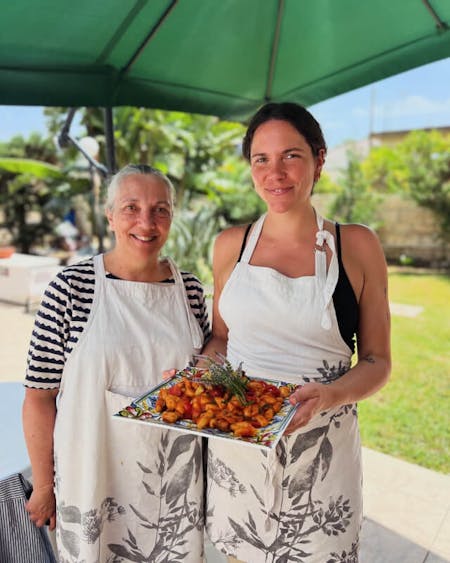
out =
column 344, row 299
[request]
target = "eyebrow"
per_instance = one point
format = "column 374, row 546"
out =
column 133, row 199
column 291, row 149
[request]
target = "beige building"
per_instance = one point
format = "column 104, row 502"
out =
column 394, row 137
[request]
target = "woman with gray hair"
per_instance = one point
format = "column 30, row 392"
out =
column 105, row 331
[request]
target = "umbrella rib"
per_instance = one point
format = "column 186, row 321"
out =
column 194, row 89
column 440, row 24
column 132, row 14
column 151, row 33
column 274, row 53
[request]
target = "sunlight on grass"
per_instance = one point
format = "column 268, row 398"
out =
column 409, row 418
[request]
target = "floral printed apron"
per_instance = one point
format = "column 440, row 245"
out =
column 303, row 501
column 126, row 491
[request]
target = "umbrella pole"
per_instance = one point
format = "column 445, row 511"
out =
column 109, row 138
column 96, row 169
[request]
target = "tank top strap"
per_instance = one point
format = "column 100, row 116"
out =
column 244, row 242
column 252, row 240
column 338, row 244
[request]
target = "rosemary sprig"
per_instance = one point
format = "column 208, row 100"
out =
column 222, row 373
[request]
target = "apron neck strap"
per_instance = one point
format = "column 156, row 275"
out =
column 196, row 331
column 319, row 219
column 99, row 267
column 327, row 280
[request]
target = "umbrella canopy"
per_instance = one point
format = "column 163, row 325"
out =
column 218, row 57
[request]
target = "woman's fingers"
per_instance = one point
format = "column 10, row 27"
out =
column 52, row 524
column 42, row 507
column 299, row 419
column 308, row 400
column 168, row 373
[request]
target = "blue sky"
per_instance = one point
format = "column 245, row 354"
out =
column 410, row 100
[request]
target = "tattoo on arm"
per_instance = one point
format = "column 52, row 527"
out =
column 369, row 359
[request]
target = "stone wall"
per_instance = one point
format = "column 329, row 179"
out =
column 411, row 230
column 408, row 231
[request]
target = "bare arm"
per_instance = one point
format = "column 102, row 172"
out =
column 38, row 414
column 369, row 278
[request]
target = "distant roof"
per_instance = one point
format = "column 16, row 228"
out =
column 402, row 132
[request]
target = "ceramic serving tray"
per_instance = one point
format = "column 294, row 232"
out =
column 142, row 411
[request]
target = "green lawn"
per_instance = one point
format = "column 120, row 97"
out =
column 410, row 417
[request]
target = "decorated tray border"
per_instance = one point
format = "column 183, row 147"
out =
column 142, row 411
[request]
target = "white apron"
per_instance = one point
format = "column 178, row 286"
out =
column 125, row 491
column 302, row 502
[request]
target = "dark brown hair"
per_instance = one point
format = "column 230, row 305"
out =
column 298, row 116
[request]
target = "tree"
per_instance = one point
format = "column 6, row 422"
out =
column 35, row 147
column 35, row 190
column 326, row 185
column 33, row 196
column 384, row 169
column 191, row 240
column 356, row 201
column 425, row 157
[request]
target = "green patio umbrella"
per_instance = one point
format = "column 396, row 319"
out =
column 219, row 57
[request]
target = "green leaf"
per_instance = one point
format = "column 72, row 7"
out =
column 35, row 168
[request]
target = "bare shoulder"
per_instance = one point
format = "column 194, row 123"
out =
column 363, row 257
column 226, row 252
column 232, row 233
column 228, row 242
column 359, row 241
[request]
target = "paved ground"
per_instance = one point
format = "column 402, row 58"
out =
column 406, row 507
column 15, row 332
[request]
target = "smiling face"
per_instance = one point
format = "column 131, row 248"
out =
column 283, row 166
column 141, row 215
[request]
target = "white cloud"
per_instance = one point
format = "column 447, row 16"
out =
column 414, row 105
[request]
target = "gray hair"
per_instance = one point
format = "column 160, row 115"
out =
column 129, row 170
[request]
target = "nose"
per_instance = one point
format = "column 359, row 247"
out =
column 277, row 168
column 147, row 218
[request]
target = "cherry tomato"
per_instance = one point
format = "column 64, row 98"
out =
column 187, row 408
column 175, row 390
column 273, row 389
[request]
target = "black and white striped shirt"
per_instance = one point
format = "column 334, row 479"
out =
column 64, row 312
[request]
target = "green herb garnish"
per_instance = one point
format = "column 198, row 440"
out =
column 222, row 373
